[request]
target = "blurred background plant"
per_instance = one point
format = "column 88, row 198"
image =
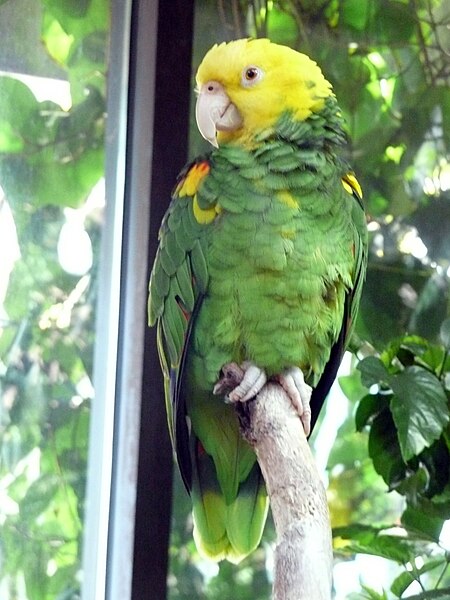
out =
column 52, row 118
column 389, row 64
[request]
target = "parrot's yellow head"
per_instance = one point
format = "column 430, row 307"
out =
column 244, row 86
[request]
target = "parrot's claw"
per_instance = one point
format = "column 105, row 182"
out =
column 240, row 383
column 252, row 383
column 299, row 392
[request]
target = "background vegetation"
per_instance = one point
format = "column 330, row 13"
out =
column 50, row 160
column 388, row 471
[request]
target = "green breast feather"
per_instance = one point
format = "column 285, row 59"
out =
column 262, row 256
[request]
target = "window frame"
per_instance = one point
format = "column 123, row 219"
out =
column 129, row 490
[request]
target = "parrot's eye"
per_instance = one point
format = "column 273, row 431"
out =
column 251, row 75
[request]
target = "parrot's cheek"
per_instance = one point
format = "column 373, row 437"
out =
column 215, row 112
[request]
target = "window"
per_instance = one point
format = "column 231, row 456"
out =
column 53, row 64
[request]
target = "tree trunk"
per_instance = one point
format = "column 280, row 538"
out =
column 303, row 555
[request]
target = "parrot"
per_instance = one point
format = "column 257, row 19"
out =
column 260, row 266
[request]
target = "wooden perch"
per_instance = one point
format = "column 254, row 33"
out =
column 303, row 555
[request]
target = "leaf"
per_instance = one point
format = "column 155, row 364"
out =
column 281, row 26
column 404, row 580
column 42, row 181
column 17, row 107
column 372, row 594
column 86, row 65
column 434, row 357
column 355, row 13
column 436, row 460
column 359, row 532
column 423, row 523
column 369, row 407
column 72, row 8
column 372, row 371
column 366, row 539
column 394, row 21
column 414, row 343
column 57, row 41
column 79, row 17
column 419, row 409
column 384, row 450
column 39, row 495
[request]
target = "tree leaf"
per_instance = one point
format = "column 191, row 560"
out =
column 419, row 409
column 17, row 107
column 404, row 580
column 38, row 496
column 436, row 460
column 434, row 357
column 384, row 450
column 281, row 26
column 375, row 541
column 355, row 13
column 373, row 371
column 423, row 523
column 370, row 406
column 394, row 20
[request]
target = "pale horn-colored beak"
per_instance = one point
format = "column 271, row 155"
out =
column 215, row 112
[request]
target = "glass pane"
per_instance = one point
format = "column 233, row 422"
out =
column 52, row 119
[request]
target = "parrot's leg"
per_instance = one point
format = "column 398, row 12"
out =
column 241, row 383
column 299, row 392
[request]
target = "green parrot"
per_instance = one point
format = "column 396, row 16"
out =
column 261, row 260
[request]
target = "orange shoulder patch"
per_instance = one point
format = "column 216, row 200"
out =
column 189, row 184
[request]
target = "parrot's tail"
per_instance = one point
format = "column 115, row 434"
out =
column 227, row 530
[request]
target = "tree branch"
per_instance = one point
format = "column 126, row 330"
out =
column 303, row 555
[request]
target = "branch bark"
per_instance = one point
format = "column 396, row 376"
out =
column 303, row 555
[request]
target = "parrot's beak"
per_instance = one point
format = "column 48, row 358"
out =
column 215, row 112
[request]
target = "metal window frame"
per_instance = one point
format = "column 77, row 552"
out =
column 128, row 503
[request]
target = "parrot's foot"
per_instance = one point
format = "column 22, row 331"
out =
column 299, row 392
column 240, row 383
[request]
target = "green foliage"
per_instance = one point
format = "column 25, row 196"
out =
column 407, row 415
column 50, row 159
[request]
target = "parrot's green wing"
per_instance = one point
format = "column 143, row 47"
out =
column 217, row 466
column 177, row 284
column 353, row 296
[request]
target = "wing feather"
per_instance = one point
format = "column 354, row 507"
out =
column 352, row 299
column 178, row 281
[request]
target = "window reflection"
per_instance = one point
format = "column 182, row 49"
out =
column 52, row 117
